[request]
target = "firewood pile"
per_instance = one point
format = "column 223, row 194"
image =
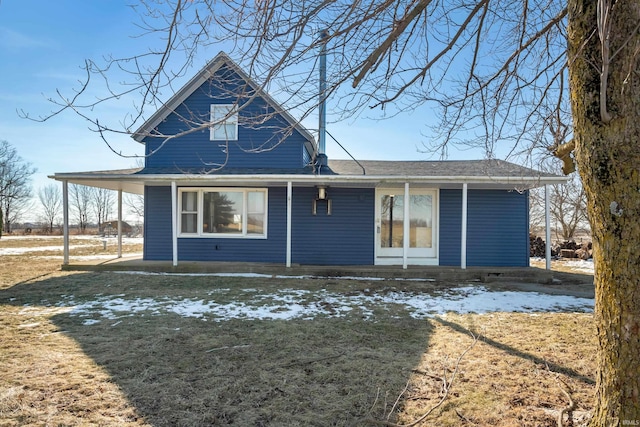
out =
column 537, row 246
column 571, row 249
column 566, row 249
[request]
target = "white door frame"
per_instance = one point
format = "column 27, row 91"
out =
column 405, row 255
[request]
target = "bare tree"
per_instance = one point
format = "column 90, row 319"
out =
column 80, row 197
column 498, row 72
column 15, row 185
column 567, row 208
column 135, row 204
column 102, row 201
column 51, row 201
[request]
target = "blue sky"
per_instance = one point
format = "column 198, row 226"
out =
column 43, row 45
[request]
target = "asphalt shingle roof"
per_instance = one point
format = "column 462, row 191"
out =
column 446, row 168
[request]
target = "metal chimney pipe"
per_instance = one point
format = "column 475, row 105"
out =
column 324, row 34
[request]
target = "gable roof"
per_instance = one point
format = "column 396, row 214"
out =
column 221, row 59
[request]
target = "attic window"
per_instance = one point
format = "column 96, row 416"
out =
column 225, row 121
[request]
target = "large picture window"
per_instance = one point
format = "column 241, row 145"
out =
column 226, row 123
column 223, row 212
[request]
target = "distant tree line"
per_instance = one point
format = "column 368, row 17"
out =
column 15, row 186
column 87, row 205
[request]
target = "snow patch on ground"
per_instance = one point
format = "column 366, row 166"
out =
column 577, row 265
column 20, row 251
column 290, row 304
column 91, row 257
column 585, row 266
column 86, row 241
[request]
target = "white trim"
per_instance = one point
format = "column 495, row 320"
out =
column 463, row 233
column 230, row 117
column 547, row 231
column 201, row 234
column 119, row 223
column 289, row 212
column 65, row 222
column 410, row 261
column 174, row 222
column 406, row 226
column 315, row 179
column 404, row 255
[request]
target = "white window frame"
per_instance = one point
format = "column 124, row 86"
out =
column 245, row 212
column 230, row 117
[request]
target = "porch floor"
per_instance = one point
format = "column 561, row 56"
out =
column 436, row 273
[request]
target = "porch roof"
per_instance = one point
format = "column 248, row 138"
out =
column 338, row 173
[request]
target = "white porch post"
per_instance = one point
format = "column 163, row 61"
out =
column 547, row 226
column 289, row 207
column 65, row 223
column 407, row 229
column 463, row 239
column 174, row 221
column 120, row 223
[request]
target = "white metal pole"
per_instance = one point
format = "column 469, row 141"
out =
column 174, row 221
column 463, row 239
column 406, row 225
column 289, row 208
column 65, row 223
column 547, row 225
column 120, row 223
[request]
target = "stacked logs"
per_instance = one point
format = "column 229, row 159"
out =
column 537, row 246
column 566, row 249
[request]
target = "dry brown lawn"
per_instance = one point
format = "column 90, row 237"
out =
column 168, row 370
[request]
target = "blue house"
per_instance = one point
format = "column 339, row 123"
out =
column 254, row 188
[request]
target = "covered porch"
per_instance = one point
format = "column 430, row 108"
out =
column 405, row 185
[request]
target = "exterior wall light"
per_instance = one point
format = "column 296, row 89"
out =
column 322, row 195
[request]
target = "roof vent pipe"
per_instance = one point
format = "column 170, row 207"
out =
column 322, row 156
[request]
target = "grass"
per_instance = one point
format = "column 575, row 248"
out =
column 153, row 369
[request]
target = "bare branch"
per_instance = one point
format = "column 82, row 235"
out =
column 446, row 388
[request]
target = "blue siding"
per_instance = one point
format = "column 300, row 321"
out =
column 159, row 247
column 497, row 228
column 306, row 156
column 450, row 226
column 271, row 146
column 343, row 238
column 157, row 223
column 497, row 231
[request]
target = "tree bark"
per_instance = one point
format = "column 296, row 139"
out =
column 608, row 159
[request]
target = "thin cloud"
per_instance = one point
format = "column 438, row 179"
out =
column 14, row 40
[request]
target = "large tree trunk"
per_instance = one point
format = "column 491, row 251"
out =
column 608, row 158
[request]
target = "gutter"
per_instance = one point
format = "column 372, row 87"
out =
column 314, row 179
